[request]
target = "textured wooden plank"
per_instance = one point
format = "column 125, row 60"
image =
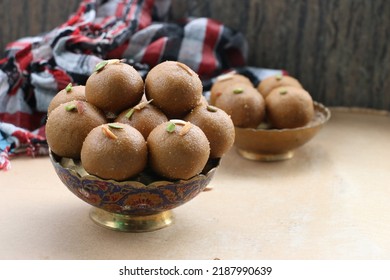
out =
column 31, row 17
column 338, row 49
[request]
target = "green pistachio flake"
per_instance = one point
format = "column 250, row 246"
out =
column 211, row 108
column 100, row 65
column 116, row 126
column 283, row 91
column 70, row 107
column 238, row 90
column 68, row 88
column 278, row 77
column 129, row 113
column 263, row 125
column 142, row 105
column 171, row 127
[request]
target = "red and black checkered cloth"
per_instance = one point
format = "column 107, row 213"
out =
column 36, row 68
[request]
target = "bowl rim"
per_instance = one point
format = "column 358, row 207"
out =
column 318, row 107
column 207, row 172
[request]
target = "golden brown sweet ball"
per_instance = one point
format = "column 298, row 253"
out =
column 69, row 124
column 114, row 86
column 144, row 117
column 174, row 87
column 244, row 104
column 268, row 84
column 67, row 94
column 216, row 125
column 226, row 80
column 114, row 151
column 289, row 107
column 178, row 149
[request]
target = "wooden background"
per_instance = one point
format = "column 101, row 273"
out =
column 338, row 49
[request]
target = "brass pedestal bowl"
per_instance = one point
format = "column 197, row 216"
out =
column 142, row 204
column 278, row 144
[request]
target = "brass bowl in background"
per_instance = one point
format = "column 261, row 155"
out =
column 143, row 204
column 278, row 144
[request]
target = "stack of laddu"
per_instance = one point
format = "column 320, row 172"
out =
column 118, row 124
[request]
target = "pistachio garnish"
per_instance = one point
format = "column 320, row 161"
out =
column 226, row 76
column 115, row 125
column 115, row 61
column 278, row 77
column 283, row 91
column 129, row 113
column 178, row 121
column 211, row 108
column 70, row 107
column 171, row 127
column 68, row 88
column 238, row 90
column 185, row 68
column 185, row 129
column 142, row 105
column 100, row 65
column 108, row 132
column 263, row 125
column 80, row 107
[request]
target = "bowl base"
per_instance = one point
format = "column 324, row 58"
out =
column 131, row 223
column 265, row 157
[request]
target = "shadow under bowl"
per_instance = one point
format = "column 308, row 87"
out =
column 141, row 204
column 278, row 144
